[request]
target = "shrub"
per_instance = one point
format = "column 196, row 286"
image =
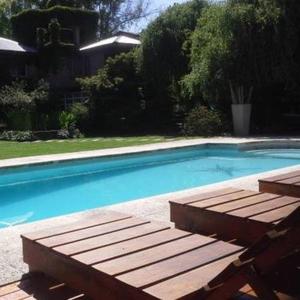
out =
column 81, row 114
column 15, row 97
column 202, row 121
column 66, row 119
column 18, row 136
column 19, row 100
column 63, row 134
column 68, row 125
column 115, row 94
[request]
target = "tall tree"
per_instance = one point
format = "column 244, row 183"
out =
column 116, row 15
column 245, row 46
column 164, row 57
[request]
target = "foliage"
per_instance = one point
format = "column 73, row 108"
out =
column 25, row 23
column 202, row 121
column 19, row 100
column 164, row 56
column 115, row 94
column 68, row 3
column 5, row 12
column 66, row 119
column 68, row 124
column 19, row 97
column 19, row 120
column 15, row 96
column 113, row 15
column 63, row 134
column 18, row 136
column 117, row 15
column 81, row 114
column 245, row 44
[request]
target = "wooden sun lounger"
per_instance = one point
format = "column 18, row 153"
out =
column 283, row 184
column 40, row 287
column 231, row 214
column 37, row 286
column 122, row 257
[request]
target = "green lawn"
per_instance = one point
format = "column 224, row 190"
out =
column 16, row 149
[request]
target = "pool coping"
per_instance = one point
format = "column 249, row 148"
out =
column 242, row 143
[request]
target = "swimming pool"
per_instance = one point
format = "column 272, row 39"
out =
column 37, row 192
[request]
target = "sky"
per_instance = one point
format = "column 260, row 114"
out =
column 155, row 6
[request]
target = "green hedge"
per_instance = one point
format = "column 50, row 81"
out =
column 202, row 121
column 25, row 24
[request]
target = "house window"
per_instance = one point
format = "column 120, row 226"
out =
column 20, row 71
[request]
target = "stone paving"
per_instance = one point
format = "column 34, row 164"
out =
column 154, row 208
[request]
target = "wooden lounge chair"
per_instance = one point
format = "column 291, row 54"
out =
column 39, row 287
column 122, row 257
column 283, row 184
column 231, row 214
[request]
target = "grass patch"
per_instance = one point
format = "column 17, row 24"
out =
column 16, row 149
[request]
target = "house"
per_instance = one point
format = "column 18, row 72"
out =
column 21, row 62
column 16, row 61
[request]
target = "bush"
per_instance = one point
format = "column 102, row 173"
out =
column 66, row 119
column 17, row 136
column 21, row 121
column 19, row 100
column 202, row 121
column 63, row 134
column 115, row 94
column 81, row 114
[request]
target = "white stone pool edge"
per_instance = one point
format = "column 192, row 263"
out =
column 154, row 208
column 241, row 142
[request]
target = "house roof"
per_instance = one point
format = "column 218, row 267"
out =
column 118, row 39
column 10, row 45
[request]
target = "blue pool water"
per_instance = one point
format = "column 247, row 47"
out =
column 39, row 192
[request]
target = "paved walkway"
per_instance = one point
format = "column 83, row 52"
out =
column 154, row 208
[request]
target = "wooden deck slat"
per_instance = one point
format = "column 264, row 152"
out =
column 292, row 180
column 189, row 282
column 130, row 246
column 282, row 176
column 109, row 239
column 244, row 202
column 80, row 234
column 223, row 199
column 246, row 216
column 152, row 274
column 94, row 220
column 284, row 184
column 146, row 261
column 276, row 214
column 204, row 196
column 153, row 255
column 264, row 207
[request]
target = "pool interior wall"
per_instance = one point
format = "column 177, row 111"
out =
column 37, row 192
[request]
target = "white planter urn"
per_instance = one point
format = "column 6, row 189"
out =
column 241, row 114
